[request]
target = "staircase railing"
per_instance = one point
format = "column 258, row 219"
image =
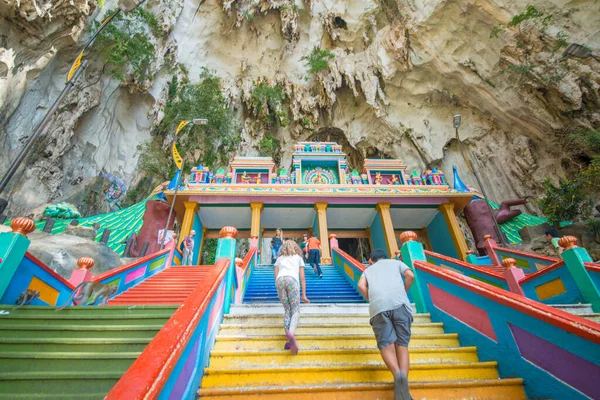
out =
column 483, row 274
column 348, row 265
column 173, row 363
column 555, row 352
column 528, row 262
column 242, row 273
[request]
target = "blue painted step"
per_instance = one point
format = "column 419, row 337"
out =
column 333, row 287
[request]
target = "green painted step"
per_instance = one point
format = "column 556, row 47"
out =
column 76, row 353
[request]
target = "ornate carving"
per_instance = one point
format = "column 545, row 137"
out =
column 228, row 232
column 408, row 236
column 86, row 262
column 568, row 242
column 509, row 263
column 22, row 225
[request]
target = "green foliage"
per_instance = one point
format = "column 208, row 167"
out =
column 270, row 146
column 208, row 144
column 531, row 13
column 561, row 41
column 306, row 122
column 210, row 250
column 593, row 227
column 124, row 44
column 317, row 60
column 496, row 31
column 290, row 8
column 522, row 71
column 267, row 104
column 249, row 17
column 101, row 3
column 587, row 139
column 566, row 202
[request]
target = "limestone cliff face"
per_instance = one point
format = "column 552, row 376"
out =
column 401, row 70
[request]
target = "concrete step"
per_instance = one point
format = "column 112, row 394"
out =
column 76, row 331
column 323, row 309
column 581, row 310
column 261, row 319
column 283, row 358
column 66, row 383
column 319, row 329
column 83, row 345
column 358, row 373
column 320, row 342
column 90, row 312
column 67, row 361
column 494, row 389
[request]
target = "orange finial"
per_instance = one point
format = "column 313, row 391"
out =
column 86, row 262
column 332, row 236
column 238, row 262
column 568, row 242
column 509, row 263
column 469, row 252
column 408, row 236
column 487, row 237
column 22, row 225
column 228, row 232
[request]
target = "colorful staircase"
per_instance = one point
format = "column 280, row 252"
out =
column 333, row 287
column 76, row 353
column 339, row 359
column 582, row 310
column 170, row 286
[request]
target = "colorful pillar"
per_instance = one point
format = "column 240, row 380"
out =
column 255, row 225
column 226, row 249
column 321, row 208
column 388, row 228
column 447, row 210
column 513, row 275
column 13, row 246
column 574, row 258
column 188, row 220
column 413, row 251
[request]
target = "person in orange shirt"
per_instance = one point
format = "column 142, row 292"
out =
column 314, row 253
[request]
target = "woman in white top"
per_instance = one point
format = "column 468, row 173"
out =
column 289, row 272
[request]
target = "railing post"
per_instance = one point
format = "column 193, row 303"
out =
column 513, row 275
column 413, row 251
column 226, row 249
column 333, row 242
column 13, row 246
column 82, row 274
column 574, row 258
column 471, row 257
column 490, row 247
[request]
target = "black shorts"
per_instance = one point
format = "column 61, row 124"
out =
column 392, row 327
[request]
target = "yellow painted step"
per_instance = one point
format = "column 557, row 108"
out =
column 311, row 342
column 319, row 329
column 283, row 358
column 262, row 319
column 316, row 375
column 496, row 389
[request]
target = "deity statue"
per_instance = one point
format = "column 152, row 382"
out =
column 378, row 178
column 259, row 178
column 394, row 180
column 245, row 178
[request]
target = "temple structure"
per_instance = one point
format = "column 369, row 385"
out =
column 320, row 194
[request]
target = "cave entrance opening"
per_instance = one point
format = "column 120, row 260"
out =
column 358, row 248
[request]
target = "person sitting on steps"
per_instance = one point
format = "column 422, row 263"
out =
column 314, row 254
column 289, row 273
column 383, row 285
column 276, row 244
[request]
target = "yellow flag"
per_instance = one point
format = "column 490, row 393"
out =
column 176, row 157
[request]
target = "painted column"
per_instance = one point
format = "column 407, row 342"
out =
column 321, row 208
column 388, row 227
column 513, row 275
column 226, row 249
column 447, row 210
column 188, row 219
column 255, row 226
column 413, row 251
column 13, row 246
column 574, row 258
column 490, row 247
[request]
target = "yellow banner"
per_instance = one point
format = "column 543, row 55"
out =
column 176, row 157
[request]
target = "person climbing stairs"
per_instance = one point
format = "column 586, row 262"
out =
column 333, row 287
column 338, row 359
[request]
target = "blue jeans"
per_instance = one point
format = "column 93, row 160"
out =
column 314, row 257
column 274, row 251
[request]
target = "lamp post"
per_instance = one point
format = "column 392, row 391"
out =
column 179, row 163
column 74, row 73
column 456, row 122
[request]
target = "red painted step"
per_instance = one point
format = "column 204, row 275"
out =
column 170, row 287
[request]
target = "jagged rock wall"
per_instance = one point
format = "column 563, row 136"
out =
column 401, row 70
